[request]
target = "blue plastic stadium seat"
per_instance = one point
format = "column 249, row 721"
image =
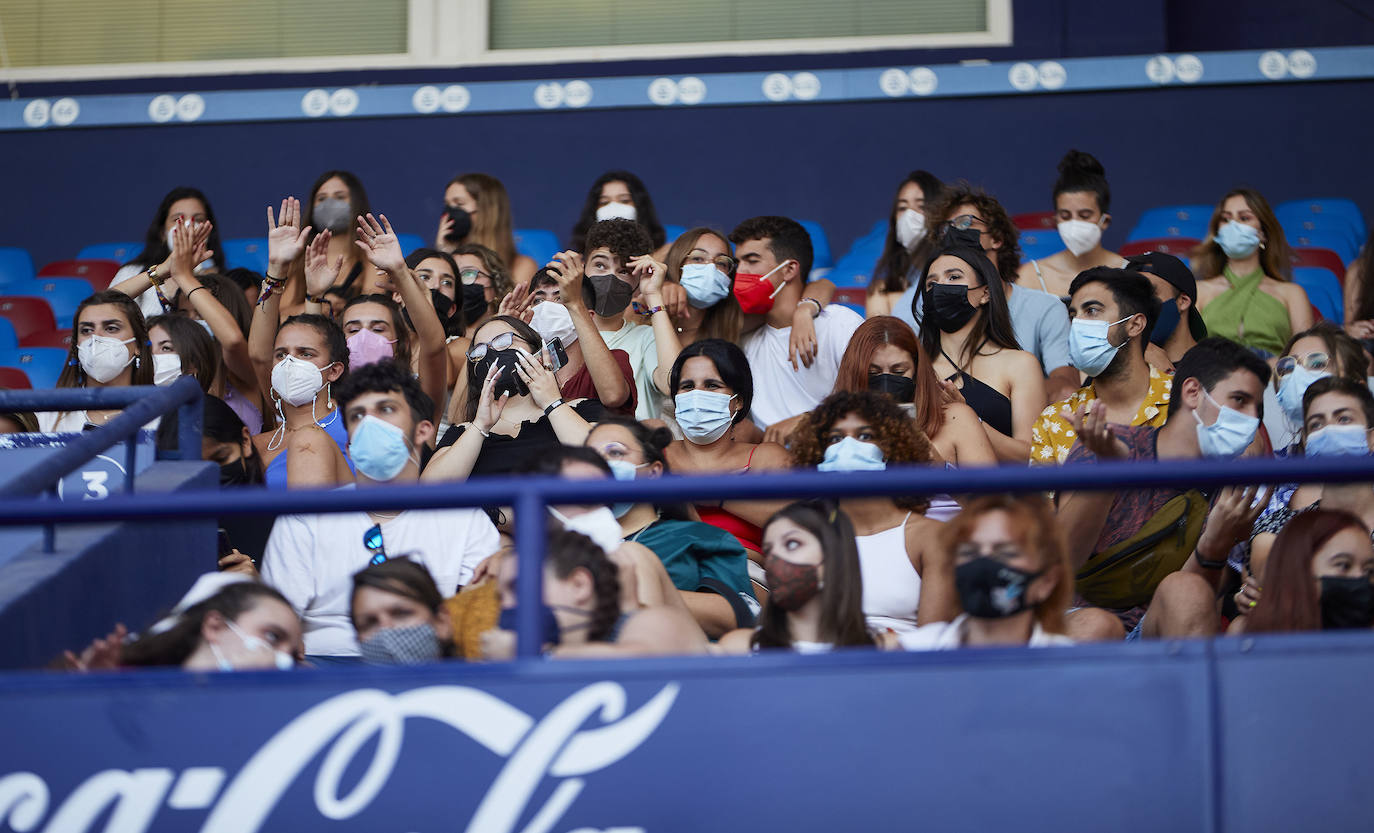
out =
column 1173, row 221
column 1337, row 241
column 121, row 252
column 9, row 340
column 15, row 265
column 246, row 253
column 1040, row 244
column 1299, row 225
column 672, row 233
column 1323, row 290
column 1325, row 207
column 539, row 245
column 855, row 267
column 42, row 364
column 820, row 245
column 64, row 295
column 411, row 242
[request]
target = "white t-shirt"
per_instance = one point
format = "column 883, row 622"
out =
column 311, row 559
column 781, row 392
column 947, row 636
column 637, row 340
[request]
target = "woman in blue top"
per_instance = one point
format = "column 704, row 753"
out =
column 707, row 565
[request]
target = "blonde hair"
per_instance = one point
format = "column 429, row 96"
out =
column 491, row 227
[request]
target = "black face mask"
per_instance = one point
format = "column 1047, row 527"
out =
column 462, row 223
column 606, row 295
column 474, row 302
column 1347, row 603
column 1166, row 323
column 989, row 589
column 234, row 474
column 508, row 381
column 899, row 388
column 947, row 306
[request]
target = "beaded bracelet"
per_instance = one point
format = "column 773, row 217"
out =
column 269, row 285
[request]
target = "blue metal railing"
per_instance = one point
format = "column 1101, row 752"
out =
column 140, row 404
column 530, row 495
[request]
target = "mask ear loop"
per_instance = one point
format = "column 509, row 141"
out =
column 779, row 287
column 328, row 404
column 280, row 434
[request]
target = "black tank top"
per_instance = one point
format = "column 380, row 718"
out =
column 989, row 404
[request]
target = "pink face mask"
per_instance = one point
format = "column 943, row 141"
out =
column 368, row 347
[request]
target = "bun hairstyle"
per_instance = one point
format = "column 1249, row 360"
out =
column 1079, row 171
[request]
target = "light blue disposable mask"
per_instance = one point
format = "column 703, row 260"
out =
column 626, row 471
column 1237, row 239
column 378, row 449
column 1231, row 434
column 705, row 284
column 283, row 660
column 1337, row 441
column 1291, row 389
column 850, row 454
column 1089, row 348
column 703, row 415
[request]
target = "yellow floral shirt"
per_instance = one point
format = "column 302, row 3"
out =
column 1052, row 436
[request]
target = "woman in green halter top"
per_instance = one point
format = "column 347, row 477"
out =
column 1247, row 295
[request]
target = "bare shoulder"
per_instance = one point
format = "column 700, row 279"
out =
column 663, row 630
column 770, row 456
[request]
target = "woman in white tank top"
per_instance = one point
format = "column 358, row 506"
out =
column 867, row 431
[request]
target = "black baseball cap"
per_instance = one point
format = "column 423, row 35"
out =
column 1177, row 274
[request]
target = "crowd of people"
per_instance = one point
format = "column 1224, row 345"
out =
column 354, row 364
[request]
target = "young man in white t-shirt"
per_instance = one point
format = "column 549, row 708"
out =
column 311, row 559
column 774, row 255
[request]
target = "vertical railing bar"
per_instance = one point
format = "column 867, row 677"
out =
column 530, row 520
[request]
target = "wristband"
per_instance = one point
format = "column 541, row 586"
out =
column 314, row 299
column 817, row 313
column 152, row 276
column 640, row 309
column 1208, row 565
column 194, row 291
column 554, row 405
column 486, row 435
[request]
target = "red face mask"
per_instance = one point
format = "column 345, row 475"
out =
column 790, row 586
column 755, row 293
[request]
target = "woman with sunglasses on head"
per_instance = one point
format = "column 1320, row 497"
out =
column 515, row 410
column 1248, row 294
column 966, row 330
column 1321, row 351
column 815, row 601
column 298, row 361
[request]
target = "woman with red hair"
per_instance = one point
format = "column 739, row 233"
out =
column 1318, row 577
column 884, row 356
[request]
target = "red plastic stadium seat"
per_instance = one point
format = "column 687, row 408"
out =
column 1324, row 258
column 50, row 338
column 97, row 273
column 1035, row 220
column 1177, row 246
column 28, row 315
column 12, row 378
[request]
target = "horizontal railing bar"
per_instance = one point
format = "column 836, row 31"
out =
column 504, row 491
column 75, row 399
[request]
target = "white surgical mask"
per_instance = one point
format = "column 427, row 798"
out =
column 599, row 525
column 1080, row 236
column 911, row 227
column 296, row 381
column 166, row 368
column 1231, row 434
column 103, row 357
column 703, row 415
column 552, row 320
column 617, row 211
column 283, row 660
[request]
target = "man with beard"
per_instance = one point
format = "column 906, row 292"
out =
column 1113, row 312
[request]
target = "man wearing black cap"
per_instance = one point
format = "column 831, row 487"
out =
column 1176, row 289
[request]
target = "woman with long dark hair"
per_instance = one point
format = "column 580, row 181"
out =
column 1358, row 290
column 225, row 623
column 700, row 261
column 907, row 228
column 139, row 277
column 109, row 349
column 619, row 194
column 815, row 585
column 966, row 330
column 1248, row 294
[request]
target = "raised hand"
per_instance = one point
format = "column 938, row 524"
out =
column 379, row 244
column 285, row 240
column 441, row 241
column 566, row 268
column 517, row 304
column 675, row 300
column 101, row 655
column 1094, row 432
column 542, row 384
column 1231, row 520
column 651, row 275
column 320, row 274
column 489, row 408
column 184, row 247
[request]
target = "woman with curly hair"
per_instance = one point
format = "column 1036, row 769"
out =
column 864, row 431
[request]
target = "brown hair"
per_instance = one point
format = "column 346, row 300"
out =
column 1276, row 258
column 501, row 283
column 1291, row 601
column 492, row 225
column 723, row 319
column 1039, row 533
column 1339, row 345
column 1000, row 226
column 74, row 377
column 887, row 330
column 841, row 594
